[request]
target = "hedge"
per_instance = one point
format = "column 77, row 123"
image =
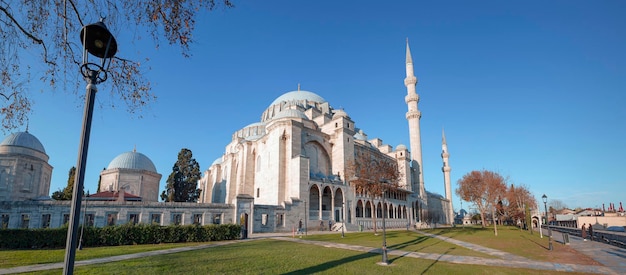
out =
column 127, row 234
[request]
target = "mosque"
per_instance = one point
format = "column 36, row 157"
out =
column 288, row 167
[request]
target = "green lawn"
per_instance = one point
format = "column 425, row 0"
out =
column 268, row 256
column 509, row 239
column 400, row 240
column 282, row 257
column 12, row 258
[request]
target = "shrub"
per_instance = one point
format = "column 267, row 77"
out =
column 118, row 235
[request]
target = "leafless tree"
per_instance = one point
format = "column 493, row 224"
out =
column 39, row 43
column 371, row 174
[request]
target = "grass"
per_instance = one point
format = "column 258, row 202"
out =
column 282, row 257
column 13, row 258
column 509, row 239
column 268, row 256
column 400, row 240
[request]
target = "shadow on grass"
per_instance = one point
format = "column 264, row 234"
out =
column 437, row 260
column 541, row 245
column 420, row 239
column 331, row 264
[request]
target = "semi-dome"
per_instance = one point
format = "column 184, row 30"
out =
column 23, row 139
column 298, row 96
column 132, row 160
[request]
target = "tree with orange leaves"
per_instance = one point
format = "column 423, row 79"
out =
column 514, row 202
column 373, row 174
column 483, row 188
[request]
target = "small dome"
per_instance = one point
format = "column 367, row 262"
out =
column 290, row 113
column 298, row 96
column 400, row 147
column 23, row 139
column 360, row 136
column 217, row 161
column 132, row 160
column 340, row 113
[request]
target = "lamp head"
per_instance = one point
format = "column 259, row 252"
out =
column 98, row 40
column 544, row 198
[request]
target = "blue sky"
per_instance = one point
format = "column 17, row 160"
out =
column 534, row 90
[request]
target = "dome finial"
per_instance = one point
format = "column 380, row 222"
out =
column 135, row 148
column 27, row 123
column 298, row 87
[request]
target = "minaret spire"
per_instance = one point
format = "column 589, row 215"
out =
column 413, row 116
column 446, row 176
column 408, row 52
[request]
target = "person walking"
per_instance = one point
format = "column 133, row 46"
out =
column 330, row 225
column 300, row 227
column 590, row 232
column 583, row 232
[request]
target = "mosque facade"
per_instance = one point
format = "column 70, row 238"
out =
column 290, row 166
column 293, row 163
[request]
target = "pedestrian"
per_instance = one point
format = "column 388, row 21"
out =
column 300, row 227
column 583, row 232
column 321, row 225
column 330, row 225
column 590, row 232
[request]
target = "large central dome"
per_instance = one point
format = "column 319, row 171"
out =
column 298, row 96
column 132, row 160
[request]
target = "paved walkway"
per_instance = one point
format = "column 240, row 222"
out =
column 608, row 255
column 613, row 258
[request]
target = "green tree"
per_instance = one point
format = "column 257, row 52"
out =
column 49, row 31
column 100, row 180
column 66, row 193
column 182, row 183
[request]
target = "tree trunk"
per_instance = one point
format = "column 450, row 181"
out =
column 493, row 218
column 374, row 213
column 482, row 219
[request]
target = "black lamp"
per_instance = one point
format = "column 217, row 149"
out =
column 99, row 42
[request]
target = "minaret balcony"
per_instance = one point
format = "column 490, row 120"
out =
column 411, row 98
column 413, row 114
column 410, row 80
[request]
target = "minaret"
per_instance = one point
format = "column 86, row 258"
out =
column 446, row 176
column 413, row 116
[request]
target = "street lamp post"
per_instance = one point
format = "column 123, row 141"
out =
column 343, row 217
column 99, row 42
column 384, row 234
column 82, row 228
column 545, row 201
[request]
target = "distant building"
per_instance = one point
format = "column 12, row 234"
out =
column 129, row 192
column 134, row 173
